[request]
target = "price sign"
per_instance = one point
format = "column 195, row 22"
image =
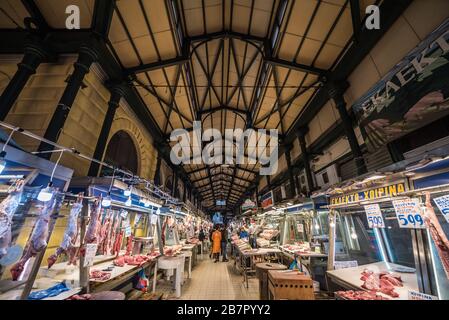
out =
column 345, row 264
column 374, row 216
column 124, row 214
column 91, row 250
column 443, row 204
column 408, row 213
column 300, row 227
column 415, row 295
column 127, row 231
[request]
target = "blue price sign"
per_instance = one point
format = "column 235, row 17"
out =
column 374, row 216
column 408, row 213
column 443, row 204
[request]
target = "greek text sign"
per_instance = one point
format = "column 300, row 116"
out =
column 371, row 194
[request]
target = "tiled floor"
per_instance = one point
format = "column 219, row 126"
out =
column 213, row 281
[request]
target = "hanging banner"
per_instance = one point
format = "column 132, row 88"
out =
column 413, row 94
column 370, row 194
column 408, row 213
column 443, row 204
column 374, row 216
column 267, row 200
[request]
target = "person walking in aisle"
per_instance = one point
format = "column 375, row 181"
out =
column 216, row 243
column 201, row 238
column 224, row 242
column 211, row 231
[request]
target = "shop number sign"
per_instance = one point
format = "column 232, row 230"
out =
column 374, row 216
column 443, row 204
column 408, row 213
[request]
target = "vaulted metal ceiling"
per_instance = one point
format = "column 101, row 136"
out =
column 229, row 64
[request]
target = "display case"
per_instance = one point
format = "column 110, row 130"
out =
column 268, row 230
column 393, row 221
column 296, row 229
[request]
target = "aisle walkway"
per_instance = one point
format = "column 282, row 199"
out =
column 214, row 281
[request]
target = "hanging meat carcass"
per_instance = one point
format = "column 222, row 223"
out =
column 70, row 234
column 94, row 221
column 7, row 209
column 114, row 230
column 104, row 230
column 38, row 240
column 118, row 244
column 437, row 234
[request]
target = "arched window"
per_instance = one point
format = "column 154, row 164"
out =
column 121, row 152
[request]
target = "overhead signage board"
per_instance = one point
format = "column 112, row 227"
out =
column 370, row 194
column 408, row 213
column 410, row 96
column 267, row 200
column 248, row 204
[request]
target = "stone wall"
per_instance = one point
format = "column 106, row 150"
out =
column 37, row 102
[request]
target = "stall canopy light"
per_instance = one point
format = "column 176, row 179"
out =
column 45, row 194
column 2, row 165
column 374, row 177
column 106, row 202
column 128, row 202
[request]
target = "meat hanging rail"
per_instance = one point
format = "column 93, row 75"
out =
column 157, row 190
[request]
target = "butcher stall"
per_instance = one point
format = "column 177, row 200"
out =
column 124, row 219
column 388, row 233
column 34, row 206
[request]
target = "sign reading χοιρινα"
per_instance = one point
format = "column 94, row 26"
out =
column 370, row 194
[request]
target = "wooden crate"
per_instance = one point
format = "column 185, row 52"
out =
column 290, row 286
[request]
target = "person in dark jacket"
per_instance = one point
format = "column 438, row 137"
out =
column 201, row 235
column 224, row 242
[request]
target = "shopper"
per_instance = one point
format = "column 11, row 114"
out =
column 243, row 233
column 224, row 242
column 211, row 231
column 216, row 244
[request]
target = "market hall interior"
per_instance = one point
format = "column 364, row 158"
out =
column 96, row 204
